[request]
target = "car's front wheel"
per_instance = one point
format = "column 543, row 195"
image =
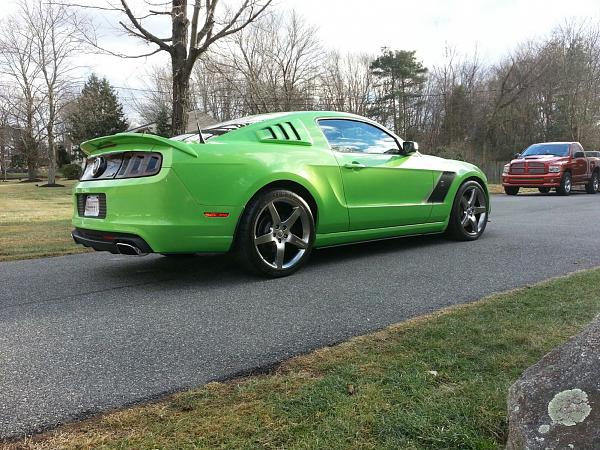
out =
column 544, row 190
column 276, row 233
column 469, row 214
column 511, row 190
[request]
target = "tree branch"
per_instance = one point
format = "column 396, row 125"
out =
column 147, row 35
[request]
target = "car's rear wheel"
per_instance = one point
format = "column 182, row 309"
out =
column 544, row 190
column 276, row 233
column 469, row 214
column 511, row 190
column 566, row 184
column 594, row 184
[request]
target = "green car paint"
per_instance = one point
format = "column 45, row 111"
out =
column 357, row 196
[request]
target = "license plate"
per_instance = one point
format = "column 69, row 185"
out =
column 92, row 206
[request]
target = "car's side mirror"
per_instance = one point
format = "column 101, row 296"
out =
column 579, row 155
column 517, row 156
column 410, row 147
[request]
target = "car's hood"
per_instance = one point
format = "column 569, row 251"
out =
column 450, row 165
column 542, row 158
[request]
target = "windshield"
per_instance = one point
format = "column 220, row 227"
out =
column 547, row 149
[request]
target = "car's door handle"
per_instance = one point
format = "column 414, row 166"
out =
column 354, row 165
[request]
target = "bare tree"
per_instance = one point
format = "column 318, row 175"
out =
column 155, row 94
column 4, row 135
column 24, row 96
column 190, row 38
column 275, row 64
column 346, row 83
column 55, row 32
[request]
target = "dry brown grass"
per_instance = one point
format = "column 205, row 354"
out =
column 35, row 221
column 498, row 189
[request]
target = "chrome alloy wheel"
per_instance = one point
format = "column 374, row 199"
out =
column 568, row 184
column 473, row 209
column 596, row 183
column 282, row 233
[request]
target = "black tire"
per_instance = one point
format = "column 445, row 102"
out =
column 511, row 190
column 262, row 232
column 594, row 184
column 544, row 190
column 469, row 215
column 566, row 184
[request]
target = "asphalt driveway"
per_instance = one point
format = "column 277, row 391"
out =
column 86, row 333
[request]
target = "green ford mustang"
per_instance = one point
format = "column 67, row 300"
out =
column 271, row 188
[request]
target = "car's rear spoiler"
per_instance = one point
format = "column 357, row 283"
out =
column 94, row 145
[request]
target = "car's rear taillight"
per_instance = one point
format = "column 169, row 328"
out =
column 139, row 165
column 122, row 165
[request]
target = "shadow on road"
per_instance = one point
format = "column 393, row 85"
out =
column 215, row 269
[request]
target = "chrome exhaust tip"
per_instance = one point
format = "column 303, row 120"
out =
column 128, row 249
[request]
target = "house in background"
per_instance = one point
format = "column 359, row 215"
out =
column 195, row 119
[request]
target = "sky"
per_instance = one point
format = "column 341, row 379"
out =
column 490, row 27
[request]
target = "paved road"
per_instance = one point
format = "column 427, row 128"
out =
column 86, row 333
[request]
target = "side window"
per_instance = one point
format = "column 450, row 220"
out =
column 352, row 136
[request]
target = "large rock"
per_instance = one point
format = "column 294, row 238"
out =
column 556, row 403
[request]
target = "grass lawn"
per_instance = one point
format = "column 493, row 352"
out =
column 35, row 221
column 498, row 189
column 437, row 382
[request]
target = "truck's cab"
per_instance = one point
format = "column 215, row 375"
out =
column 552, row 165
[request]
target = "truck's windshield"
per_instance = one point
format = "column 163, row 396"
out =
column 547, row 149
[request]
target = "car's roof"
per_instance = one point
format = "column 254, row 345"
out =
column 230, row 128
column 247, row 120
column 555, row 142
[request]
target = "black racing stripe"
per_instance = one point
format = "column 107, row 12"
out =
column 441, row 188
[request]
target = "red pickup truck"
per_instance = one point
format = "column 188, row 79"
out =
column 548, row 165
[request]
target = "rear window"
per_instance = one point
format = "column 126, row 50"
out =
column 209, row 133
column 222, row 128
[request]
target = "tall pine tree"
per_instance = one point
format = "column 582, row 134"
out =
column 400, row 82
column 163, row 121
column 96, row 112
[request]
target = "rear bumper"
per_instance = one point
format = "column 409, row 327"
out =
column 159, row 210
column 550, row 180
column 108, row 242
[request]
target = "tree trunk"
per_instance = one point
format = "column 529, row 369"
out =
column 181, row 67
column 51, row 143
column 51, row 157
column 181, row 88
column 3, row 160
column 31, row 155
column 31, row 166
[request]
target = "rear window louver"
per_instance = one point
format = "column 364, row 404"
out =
column 285, row 132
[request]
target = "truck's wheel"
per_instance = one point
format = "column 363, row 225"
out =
column 594, row 184
column 511, row 190
column 566, row 184
column 544, row 190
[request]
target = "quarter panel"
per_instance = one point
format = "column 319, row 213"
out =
column 232, row 173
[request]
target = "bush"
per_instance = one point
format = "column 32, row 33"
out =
column 71, row 171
